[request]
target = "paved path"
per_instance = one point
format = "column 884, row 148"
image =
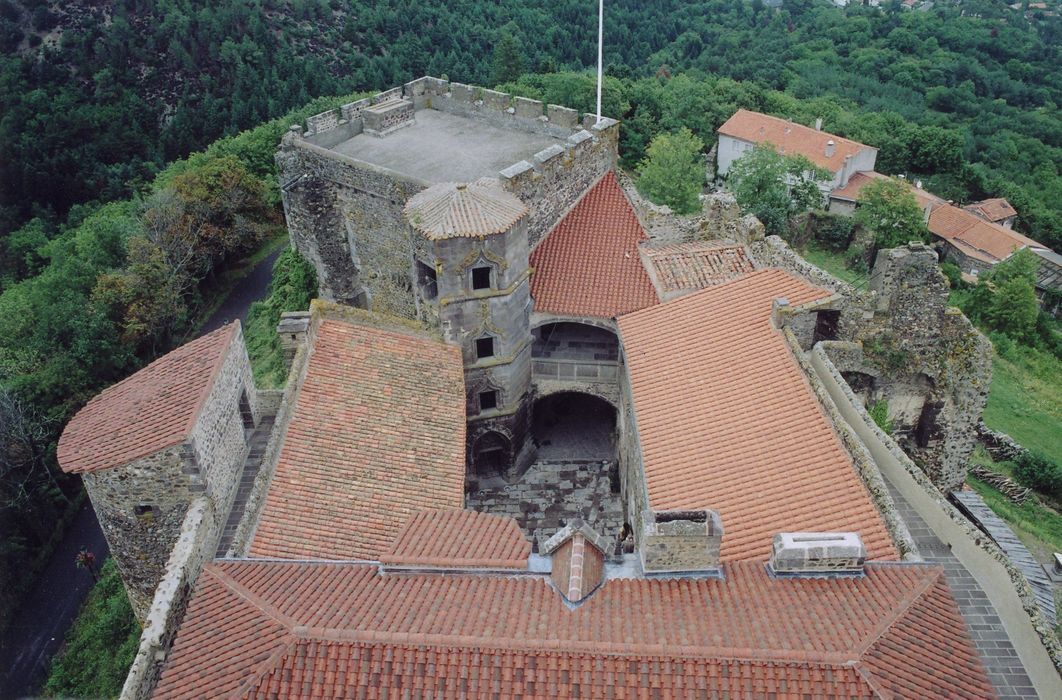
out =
column 997, row 653
column 50, row 608
column 47, row 613
column 971, row 503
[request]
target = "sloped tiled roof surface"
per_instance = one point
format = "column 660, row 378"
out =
column 589, row 264
column 995, row 209
column 377, row 434
column 451, row 210
column 347, row 630
column 697, row 265
column 459, row 539
column 150, row 410
column 974, row 236
column 728, row 421
column 790, row 138
column 858, row 181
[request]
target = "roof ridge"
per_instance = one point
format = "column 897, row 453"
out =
column 285, row 647
column 251, row 597
column 871, row 680
column 931, row 576
column 208, row 386
column 753, row 654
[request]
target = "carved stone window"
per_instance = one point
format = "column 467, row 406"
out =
column 488, row 400
column 427, row 281
column 481, row 277
column 484, row 347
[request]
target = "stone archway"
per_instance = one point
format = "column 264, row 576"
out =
column 491, row 454
column 574, row 426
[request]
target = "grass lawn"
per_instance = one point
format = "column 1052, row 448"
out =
column 833, row 263
column 291, row 288
column 1025, row 400
column 100, row 646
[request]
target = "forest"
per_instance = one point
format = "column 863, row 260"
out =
column 102, row 103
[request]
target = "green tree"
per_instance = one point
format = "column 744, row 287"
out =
column 1012, row 307
column 508, row 62
column 774, row 187
column 889, row 210
column 672, row 171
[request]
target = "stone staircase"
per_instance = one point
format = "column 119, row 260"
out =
column 257, row 441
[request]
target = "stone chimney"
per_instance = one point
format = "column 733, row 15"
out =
column 818, row 124
column 681, row 541
column 927, row 212
column 578, row 553
column 817, row 553
column 780, row 312
column 292, row 332
column 831, row 148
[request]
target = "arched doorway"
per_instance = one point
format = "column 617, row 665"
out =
column 573, row 426
column 491, row 454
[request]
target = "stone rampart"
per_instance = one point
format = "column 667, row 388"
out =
column 193, row 547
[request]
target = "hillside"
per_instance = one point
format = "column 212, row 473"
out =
column 97, row 96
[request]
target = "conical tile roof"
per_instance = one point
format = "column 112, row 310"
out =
column 451, row 210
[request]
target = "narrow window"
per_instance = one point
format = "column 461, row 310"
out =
column 145, row 512
column 245, row 411
column 488, row 400
column 427, row 281
column 484, row 347
column 480, row 278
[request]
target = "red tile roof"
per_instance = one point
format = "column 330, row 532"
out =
column 589, row 264
column 995, row 209
column 301, row 630
column 451, row 539
column 976, row 237
column 727, row 420
column 688, row 266
column 791, row 138
column 378, row 434
column 148, row 411
column 857, row 182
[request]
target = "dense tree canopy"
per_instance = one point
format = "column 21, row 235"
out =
column 775, row 187
column 891, row 213
column 673, row 171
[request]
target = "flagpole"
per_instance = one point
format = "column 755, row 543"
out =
column 600, row 41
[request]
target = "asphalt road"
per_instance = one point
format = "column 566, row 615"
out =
column 49, row 610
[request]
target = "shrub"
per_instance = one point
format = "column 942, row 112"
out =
column 1040, row 473
column 954, row 275
column 879, row 413
column 672, row 172
column 833, row 232
column 1003, row 344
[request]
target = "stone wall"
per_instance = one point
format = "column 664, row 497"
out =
column 193, row 547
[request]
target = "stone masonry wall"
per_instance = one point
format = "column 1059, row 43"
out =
column 162, row 484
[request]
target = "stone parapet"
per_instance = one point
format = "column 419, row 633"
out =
column 193, row 548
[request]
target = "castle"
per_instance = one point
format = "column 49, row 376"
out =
column 541, row 438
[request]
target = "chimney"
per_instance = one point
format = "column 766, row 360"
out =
column 927, row 212
column 831, row 148
column 817, row 553
column 780, row 312
column 578, row 560
column 818, row 124
column 681, row 541
column 292, row 333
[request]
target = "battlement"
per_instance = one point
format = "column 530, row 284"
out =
column 453, row 132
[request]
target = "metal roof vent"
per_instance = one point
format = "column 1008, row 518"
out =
column 817, row 553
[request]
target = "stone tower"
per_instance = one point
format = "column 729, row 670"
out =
column 471, row 270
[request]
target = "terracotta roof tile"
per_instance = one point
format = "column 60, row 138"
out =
column 727, row 420
column 459, row 539
column 150, row 410
column 791, row 138
column 976, row 237
column 378, row 434
column 689, row 266
column 589, row 264
column 353, row 631
column 450, row 209
column 858, row 181
column 995, row 209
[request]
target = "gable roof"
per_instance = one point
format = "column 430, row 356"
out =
column 301, row 630
column 451, row 209
column 727, row 420
column 148, row 411
column 976, row 237
column 377, row 434
column 995, row 209
column 689, row 266
column 791, row 138
column 450, row 539
column 589, row 265
column 852, row 191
